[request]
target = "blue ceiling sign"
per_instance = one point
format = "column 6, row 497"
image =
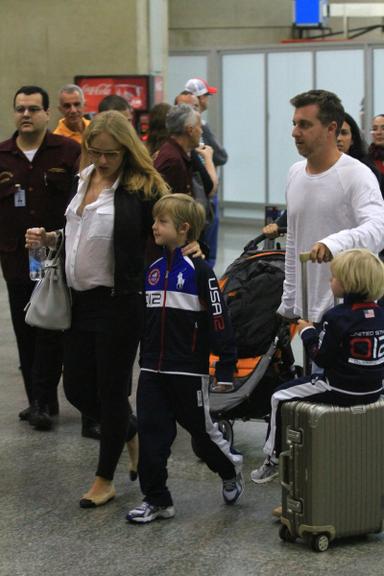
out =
column 308, row 12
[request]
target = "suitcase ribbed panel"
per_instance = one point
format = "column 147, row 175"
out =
column 337, row 470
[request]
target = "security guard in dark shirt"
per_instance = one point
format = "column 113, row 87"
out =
column 36, row 172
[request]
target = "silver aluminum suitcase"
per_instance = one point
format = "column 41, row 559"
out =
column 332, row 471
column 332, row 468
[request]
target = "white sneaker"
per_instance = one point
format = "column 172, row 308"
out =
column 233, row 489
column 148, row 512
column 267, row 472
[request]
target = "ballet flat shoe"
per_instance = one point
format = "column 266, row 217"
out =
column 98, row 500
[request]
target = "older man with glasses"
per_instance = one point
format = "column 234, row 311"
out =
column 36, row 173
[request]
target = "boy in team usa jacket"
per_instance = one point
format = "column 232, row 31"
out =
column 186, row 319
column 348, row 347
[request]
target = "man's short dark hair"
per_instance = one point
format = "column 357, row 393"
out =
column 183, row 93
column 28, row 90
column 330, row 106
column 114, row 102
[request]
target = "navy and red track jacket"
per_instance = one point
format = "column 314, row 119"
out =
column 350, row 346
column 186, row 319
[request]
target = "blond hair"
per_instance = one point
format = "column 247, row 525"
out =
column 138, row 172
column 360, row 272
column 182, row 208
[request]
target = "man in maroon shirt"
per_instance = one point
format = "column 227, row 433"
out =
column 174, row 158
column 36, row 173
column 184, row 164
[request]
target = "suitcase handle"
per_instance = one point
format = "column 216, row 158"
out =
column 284, row 469
column 305, row 256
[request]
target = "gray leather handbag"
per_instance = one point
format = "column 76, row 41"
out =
column 50, row 303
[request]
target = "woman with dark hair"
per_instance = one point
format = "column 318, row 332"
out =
column 376, row 149
column 351, row 142
column 157, row 131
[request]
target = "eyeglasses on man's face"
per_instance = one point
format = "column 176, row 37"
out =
column 30, row 109
column 96, row 154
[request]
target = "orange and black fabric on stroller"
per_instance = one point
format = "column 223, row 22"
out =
column 252, row 287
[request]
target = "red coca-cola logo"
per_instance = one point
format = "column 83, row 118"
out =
column 97, row 89
column 133, row 89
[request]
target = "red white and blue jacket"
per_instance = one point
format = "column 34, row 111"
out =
column 186, row 319
column 350, row 346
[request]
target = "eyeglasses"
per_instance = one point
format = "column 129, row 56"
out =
column 30, row 109
column 108, row 154
column 377, row 129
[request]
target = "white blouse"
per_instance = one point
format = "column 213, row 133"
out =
column 89, row 260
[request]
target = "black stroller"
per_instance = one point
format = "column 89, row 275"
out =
column 252, row 287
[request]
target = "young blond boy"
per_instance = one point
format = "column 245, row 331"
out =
column 186, row 319
column 349, row 347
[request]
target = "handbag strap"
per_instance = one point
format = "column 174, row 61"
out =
column 54, row 254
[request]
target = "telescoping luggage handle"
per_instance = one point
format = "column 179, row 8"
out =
column 304, row 258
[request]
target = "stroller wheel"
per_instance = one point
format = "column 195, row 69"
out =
column 226, row 429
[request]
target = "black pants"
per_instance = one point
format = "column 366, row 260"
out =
column 40, row 351
column 99, row 352
column 163, row 400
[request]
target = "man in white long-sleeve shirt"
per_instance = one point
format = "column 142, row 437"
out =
column 334, row 203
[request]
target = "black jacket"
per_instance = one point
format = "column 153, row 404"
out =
column 131, row 236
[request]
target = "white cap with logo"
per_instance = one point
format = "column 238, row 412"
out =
column 199, row 87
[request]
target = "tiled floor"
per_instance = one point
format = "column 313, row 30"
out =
column 43, row 532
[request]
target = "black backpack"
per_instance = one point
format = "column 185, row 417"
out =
column 252, row 287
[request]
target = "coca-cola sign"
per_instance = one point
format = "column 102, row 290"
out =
column 102, row 89
column 135, row 89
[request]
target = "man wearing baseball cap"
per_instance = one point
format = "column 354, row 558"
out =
column 200, row 88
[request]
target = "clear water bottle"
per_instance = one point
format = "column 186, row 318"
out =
column 37, row 258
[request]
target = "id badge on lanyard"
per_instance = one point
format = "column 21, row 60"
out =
column 20, row 197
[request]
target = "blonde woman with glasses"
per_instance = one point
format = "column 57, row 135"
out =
column 107, row 230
